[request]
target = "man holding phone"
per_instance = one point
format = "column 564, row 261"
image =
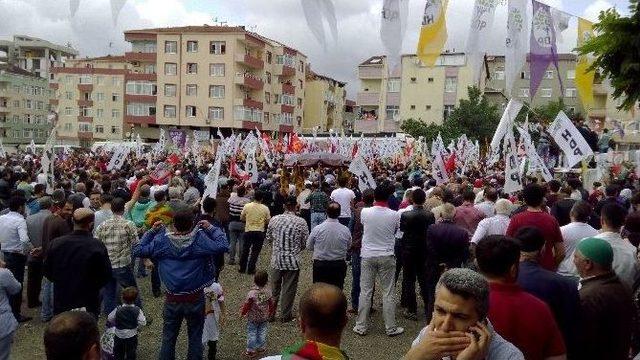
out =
column 459, row 328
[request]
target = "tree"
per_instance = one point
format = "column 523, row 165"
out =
column 617, row 52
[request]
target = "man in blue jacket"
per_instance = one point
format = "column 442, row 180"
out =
column 185, row 263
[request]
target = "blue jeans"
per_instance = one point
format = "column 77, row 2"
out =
column 121, row 278
column 236, row 240
column 317, row 218
column 46, row 312
column 5, row 346
column 355, row 285
column 174, row 313
column 256, row 335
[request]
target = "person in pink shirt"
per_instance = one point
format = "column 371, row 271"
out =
column 467, row 215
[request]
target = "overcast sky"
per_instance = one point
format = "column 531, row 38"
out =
column 93, row 32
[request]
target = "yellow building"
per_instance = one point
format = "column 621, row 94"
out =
column 89, row 99
column 324, row 103
column 210, row 77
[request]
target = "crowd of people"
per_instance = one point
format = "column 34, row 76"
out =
column 549, row 272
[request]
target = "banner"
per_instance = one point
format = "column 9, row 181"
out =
column 584, row 77
column 506, row 124
column 316, row 11
column 439, row 172
column 162, row 142
column 636, row 158
column 560, row 23
column 3, row 153
column 535, row 161
column 517, row 43
column 178, row 137
column 118, row 158
column 393, row 27
column 211, row 179
column 433, row 34
column 251, row 166
column 32, row 147
column 359, row 168
column 48, row 160
column 543, row 45
column 512, row 181
column 116, row 6
column 138, row 147
column 480, row 34
column 569, row 139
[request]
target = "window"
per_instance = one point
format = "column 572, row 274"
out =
column 269, row 57
column 301, row 65
column 299, row 102
column 570, row 92
column 26, row 134
column 150, row 68
column 393, row 86
column 216, row 113
column 84, row 127
column 548, row 74
column 99, row 80
column 68, row 95
column 216, row 91
column 428, row 107
column 170, row 90
column 393, row 111
column 141, row 109
column 16, row 104
column 524, row 92
column 413, row 80
column 141, row 88
column 99, row 129
column 115, row 113
column 450, row 84
column 39, row 105
column 499, row 74
column 27, row 119
column 430, row 79
column 192, row 46
column 413, row 107
column 266, row 118
column 276, row 99
column 192, row 90
column 267, row 97
column 68, row 126
column 99, row 96
column 191, row 111
column 571, row 74
column 170, row 47
column 192, row 68
column 217, row 47
column 546, row 92
column 268, row 75
column 99, row 113
column 115, row 81
column 68, row 111
column 300, row 84
column 170, row 111
column 84, row 79
column 115, row 97
column 84, row 111
column 448, row 109
column 170, row 69
column 28, row 104
column 216, row 69
column 115, row 129
column 524, row 75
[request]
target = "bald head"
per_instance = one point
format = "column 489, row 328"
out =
column 323, row 313
column 72, row 335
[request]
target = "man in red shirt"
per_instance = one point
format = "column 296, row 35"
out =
column 519, row 317
column 467, row 216
column 535, row 215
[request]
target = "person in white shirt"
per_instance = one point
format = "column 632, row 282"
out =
column 345, row 197
column 572, row 233
column 379, row 227
column 494, row 225
column 303, row 205
column 488, row 206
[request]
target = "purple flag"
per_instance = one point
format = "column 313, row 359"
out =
column 179, row 137
column 543, row 45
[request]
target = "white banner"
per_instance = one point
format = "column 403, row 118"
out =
column 3, row 153
column 316, row 12
column 393, row 26
column 32, row 147
column 118, row 158
column 517, row 42
column 138, row 147
column 48, row 161
column 359, row 168
column 512, row 181
column 211, row 180
column 480, row 34
column 251, row 166
column 506, row 124
column 569, row 139
column 535, row 162
column 560, row 23
column 636, row 161
column 439, row 171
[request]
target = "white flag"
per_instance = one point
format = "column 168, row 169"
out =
column 560, row 23
column 517, row 44
column 116, row 6
column 480, row 34
column 118, row 158
column 32, row 147
column 439, row 171
column 569, row 139
column 535, row 161
column 506, row 125
column 393, row 26
column 316, row 12
column 48, row 161
column 3, row 153
column 211, row 179
column 359, row 168
column 251, row 166
column 512, row 181
column 138, row 147
column 162, row 142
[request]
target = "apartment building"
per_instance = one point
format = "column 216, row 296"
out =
column 35, row 55
column 411, row 91
column 209, row 77
column 24, row 107
column 325, row 100
column 89, row 100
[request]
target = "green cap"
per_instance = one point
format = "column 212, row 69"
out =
column 596, row 250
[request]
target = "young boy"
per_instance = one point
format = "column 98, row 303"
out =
column 258, row 307
column 127, row 318
column 214, row 311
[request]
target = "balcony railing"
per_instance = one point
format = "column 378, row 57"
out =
column 141, row 76
column 250, row 61
column 132, row 119
column 82, row 118
column 368, row 98
column 288, row 89
column 86, row 103
column 370, row 72
column 249, row 81
column 140, row 56
column 285, row 70
column 85, row 87
column 287, row 108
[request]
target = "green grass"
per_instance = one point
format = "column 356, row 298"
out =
column 376, row 345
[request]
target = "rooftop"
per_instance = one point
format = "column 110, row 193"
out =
column 107, row 58
column 34, row 42
column 311, row 74
column 6, row 68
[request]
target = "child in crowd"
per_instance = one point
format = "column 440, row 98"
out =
column 258, row 307
column 127, row 318
column 214, row 311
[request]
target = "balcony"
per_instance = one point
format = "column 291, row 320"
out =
column 86, row 103
column 85, row 135
column 131, row 119
column 249, row 81
column 54, row 86
column 368, row 98
column 287, row 108
column 600, row 89
column 250, row 61
column 139, row 56
column 140, row 76
column 285, row 128
column 85, row 87
column 250, row 125
column 248, row 103
column 285, row 70
column 140, row 98
column 54, row 102
column 598, row 113
column 366, row 126
column 4, row 107
column 252, row 42
column 391, row 126
column 288, row 89
column 393, row 99
column 370, row 72
column 85, row 118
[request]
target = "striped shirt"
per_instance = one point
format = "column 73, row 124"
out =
column 288, row 233
column 236, row 203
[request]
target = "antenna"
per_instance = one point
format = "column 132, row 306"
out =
column 219, row 22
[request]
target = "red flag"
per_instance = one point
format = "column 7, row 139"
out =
column 450, row 165
column 237, row 173
column 173, row 159
column 355, row 149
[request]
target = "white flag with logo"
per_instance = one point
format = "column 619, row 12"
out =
column 517, row 42
column 251, row 165
column 393, row 26
column 3, row 153
column 118, row 158
column 359, row 168
column 569, row 140
column 211, row 179
column 512, row 181
column 439, row 171
column 535, row 161
column 506, row 125
column 480, row 34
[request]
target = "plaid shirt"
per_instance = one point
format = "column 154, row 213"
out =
column 288, row 233
column 319, row 201
column 118, row 235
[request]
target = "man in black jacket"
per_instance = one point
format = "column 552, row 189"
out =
column 414, row 225
column 79, row 266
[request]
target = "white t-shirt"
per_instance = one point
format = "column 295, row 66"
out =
column 379, row 228
column 344, row 197
column 572, row 233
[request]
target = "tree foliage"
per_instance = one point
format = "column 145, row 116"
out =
column 476, row 117
column 617, row 52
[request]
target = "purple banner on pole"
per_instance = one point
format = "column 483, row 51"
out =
column 543, row 45
column 179, row 137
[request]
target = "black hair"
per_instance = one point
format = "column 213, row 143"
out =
column 581, row 211
column 533, row 195
column 16, row 202
column 209, row 205
column 368, row 197
column 183, row 220
column 418, row 196
column 530, row 238
column 333, row 210
column 261, row 278
column 496, row 254
column 554, row 185
column 117, row 205
column 614, row 215
column 468, row 195
column 160, row 196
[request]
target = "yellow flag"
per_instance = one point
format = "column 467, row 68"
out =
column 434, row 31
column 584, row 79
